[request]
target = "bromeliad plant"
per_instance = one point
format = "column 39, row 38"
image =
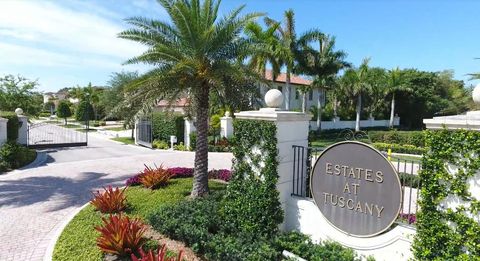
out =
column 120, row 235
column 161, row 255
column 110, row 201
column 153, row 178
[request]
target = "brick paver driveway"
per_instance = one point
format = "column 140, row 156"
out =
column 34, row 202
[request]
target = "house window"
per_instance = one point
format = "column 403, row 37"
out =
column 310, row 95
column 280, row 88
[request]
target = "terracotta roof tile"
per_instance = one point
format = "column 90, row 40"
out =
column 282, row 77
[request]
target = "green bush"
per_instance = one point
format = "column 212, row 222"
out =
column 415, row 138
column 191, row 221
column 240, row 247
column 84, row 112
column 160, row 144
column 12, row 125
column 408, row 149
column 165, row 125
column 44, row 114
column 180, row 147
column 302, row 246
column 13, row 156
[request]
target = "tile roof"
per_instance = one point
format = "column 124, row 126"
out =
column 282, row 77
column 182, row 102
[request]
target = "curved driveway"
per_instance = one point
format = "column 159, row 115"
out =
column 34, row 202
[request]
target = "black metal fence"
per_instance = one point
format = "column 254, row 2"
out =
column 144, row 132
column 408, row 168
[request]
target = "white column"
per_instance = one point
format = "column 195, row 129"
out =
column 3, row 131
column 226, row 126
column 189, row 128
column 292, row 129
column 23, row 130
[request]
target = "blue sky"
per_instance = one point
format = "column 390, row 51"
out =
column 72, row 42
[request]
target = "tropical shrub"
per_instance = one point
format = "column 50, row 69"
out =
column 110, row 200
column 166, row 124
column 222, row 174
column 12, row 124
column 161, row 255
column 120, row 235
column 240, row 247
column 221, row 145
column 409, row 149
column 180, row 147
column 191, row 221
column 302, row 245
column 180, row 172
column 415, row 138
column 153, row 178
column 14, row 155
column 160, row 144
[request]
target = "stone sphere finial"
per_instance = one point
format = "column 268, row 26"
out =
column 274, row 98
column 476, row 94
column 227, row 114
column 19, row 111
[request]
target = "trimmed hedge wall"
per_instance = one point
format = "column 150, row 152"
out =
column 408, row 149
column 414, row 138
column 448, row 225
column 166, row 124
column 12, row 125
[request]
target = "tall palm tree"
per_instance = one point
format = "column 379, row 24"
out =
column 287, row 52
column 323, row 64
column 194, row 54
column 355, row 82
column 395, row 83
column 266, row 43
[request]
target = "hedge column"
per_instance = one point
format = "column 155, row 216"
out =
column 3, row 131
column 291, row 129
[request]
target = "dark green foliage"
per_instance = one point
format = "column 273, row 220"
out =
column 444, row 233
column 84, row 111
column 20, row 92
column 251, row 205
column 303, row 246
column 240, row 247
column 193, row 141
column 166, row 124
column 191, row 221
column 408, row 149
column 415, row 138
column 12, row 125
column 63, row 110
column 13, row 156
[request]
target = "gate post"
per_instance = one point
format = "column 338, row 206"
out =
column 226, row 125
column 292, row 129
column 189, row 129
column 23, row 130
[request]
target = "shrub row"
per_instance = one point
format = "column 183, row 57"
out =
column 180, row 172
column 13, row 156
column 12, row 125
column 199, row 224
column 415, row 138
column 165, row 125
column 408, row 149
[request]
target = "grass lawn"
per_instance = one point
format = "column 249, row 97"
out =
column 84, row 130
column 115, row 128
column 126, row 140
column 78, row 239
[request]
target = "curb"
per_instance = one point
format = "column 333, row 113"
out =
column 58, row 231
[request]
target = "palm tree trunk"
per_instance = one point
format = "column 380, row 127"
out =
column 304, row 102
column 359, row 109
column 335, row 106
column 287, row 91
column 200, row 176
column 392, row 110
column 319, row 110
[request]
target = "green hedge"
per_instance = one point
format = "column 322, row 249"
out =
column 407, row 149
column 166, row 124
column 449, row 231
column 414, row 138
column 12, row 125
column 14, row 156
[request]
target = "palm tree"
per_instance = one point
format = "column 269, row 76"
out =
column 266, row 43
column 395, row 83
column 324, row 64
column 194, row 54
column 287, row 52
column 355, row 82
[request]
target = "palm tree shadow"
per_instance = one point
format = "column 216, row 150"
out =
column 62, row 192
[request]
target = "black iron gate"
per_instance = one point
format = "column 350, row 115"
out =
column 50, row 135
column 144, row 134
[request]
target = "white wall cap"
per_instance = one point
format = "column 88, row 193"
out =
column 273, row 114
